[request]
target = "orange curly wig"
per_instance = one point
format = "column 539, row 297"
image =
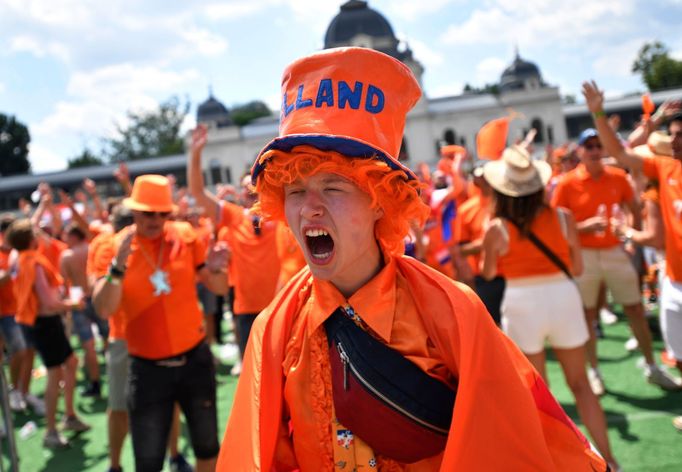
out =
column 389, row 189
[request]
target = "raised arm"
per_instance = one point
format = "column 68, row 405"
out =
column 595, row 103
column 195, row 178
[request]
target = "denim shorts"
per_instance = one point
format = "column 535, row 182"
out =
column 83, row 320
column 13, row 335
column 154, row 386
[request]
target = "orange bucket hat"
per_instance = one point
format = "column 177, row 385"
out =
column 150, row 193
column 350, row 100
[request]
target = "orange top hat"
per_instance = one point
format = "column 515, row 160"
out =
column 350, row 100
column 150, row 193
column 491, row 139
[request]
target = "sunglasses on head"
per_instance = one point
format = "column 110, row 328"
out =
column 152, row 214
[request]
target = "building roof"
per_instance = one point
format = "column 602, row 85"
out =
column 356, row 18
column 515, row 76
column 213, row 111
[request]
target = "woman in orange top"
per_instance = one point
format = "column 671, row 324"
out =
column 332, row 176
column 39, row 307
column 540, row 302
column 152, row 279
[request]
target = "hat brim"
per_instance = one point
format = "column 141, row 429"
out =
column 345, row 145
column 134, row 205
column 494, row 174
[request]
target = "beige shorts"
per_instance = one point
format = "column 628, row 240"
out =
column 543, row 309
column 613, row 267
column 117, row 370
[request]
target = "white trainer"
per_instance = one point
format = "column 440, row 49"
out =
column 16, row 400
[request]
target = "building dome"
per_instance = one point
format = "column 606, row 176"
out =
column 358, row 25
column 521, row 75
column 212, row 111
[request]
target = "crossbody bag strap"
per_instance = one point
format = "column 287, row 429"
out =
column 546, row 251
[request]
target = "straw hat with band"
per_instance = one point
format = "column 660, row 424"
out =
column 658, row 144
column 516, row 174
column 350, row 100
column 151, row 193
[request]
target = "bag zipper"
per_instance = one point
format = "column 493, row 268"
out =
column 348, row 364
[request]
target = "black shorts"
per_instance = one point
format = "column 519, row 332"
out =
column 49, row 339
column 154, row 386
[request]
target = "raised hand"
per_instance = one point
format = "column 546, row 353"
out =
column 124, row 248
column 89, row 186
column 594, row 98
column 218, row 256
column 199, row 139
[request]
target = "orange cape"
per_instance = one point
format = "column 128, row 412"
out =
column 504, row 418
column 27, row 300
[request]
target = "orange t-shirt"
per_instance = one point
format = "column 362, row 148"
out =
column 254, row 265
column 524, row 259
column 668, row 172
column 469, row 225
column 52, row 250
column 100, row 254
column 170, row 323
column 580, row 193
column 289, row 252
column 24, row 289
column 8, row 303
column 387, row 307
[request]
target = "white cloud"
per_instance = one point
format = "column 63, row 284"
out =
column 617, row 60
column 2, row 88
column 44, row 159
column 411, row 10
column 205, row 42
column 99, row 100
column 38, row 47
column 489, row 70
column 231, row 10
column 423, row 52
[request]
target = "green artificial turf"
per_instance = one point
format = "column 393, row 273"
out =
column 639, row 417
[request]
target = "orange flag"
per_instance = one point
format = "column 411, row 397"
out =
column 648, row 106
column 492, row 139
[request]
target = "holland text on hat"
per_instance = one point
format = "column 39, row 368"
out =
column 374, row 97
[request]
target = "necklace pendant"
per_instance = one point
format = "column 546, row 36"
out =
column 159, row 280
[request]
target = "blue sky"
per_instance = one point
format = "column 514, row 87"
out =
column 70, row 69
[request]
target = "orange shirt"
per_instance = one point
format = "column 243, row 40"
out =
column 52, row 250
column 289, row 252
column 168, row 324
column 8, row 303
column 24, row 289
column 100, row 254
column 668, row 172
column 469, row 225
column 501, row 399
column 580, row 193
column 386, row 306
column 254, row 265
column 524, row 259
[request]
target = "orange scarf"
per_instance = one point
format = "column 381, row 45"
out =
column 24, row 291
column 502, row 403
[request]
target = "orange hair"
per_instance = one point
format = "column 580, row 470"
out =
column 389, row 189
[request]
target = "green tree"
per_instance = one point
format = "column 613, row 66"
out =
column 149, row 134
column 658, row 69
column 14, row 139
column 245, row 114
column 85, row 159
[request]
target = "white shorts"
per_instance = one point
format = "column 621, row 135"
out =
column 671, row 317
column 613, row 267
column 539, row 309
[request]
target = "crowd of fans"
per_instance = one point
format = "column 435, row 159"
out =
column 547, row 243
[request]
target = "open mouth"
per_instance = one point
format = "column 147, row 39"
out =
column 320, row 245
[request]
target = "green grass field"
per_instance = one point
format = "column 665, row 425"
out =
column 639, row 417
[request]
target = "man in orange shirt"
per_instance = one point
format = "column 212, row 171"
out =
column 594, row 192
column 254, row 263
column 152, row 280
column 318, row 390
column 668, row 172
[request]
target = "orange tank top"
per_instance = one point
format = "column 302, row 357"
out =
column 524, row 259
